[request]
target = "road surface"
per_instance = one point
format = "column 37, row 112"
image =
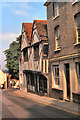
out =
column 14, row 106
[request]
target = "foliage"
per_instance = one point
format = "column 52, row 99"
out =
column 12, row 55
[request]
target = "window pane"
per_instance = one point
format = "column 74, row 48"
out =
column 58, row 33
column 57, row 71
column 36, row 51
column 79, row 32
column 78, row 21
column 58, row 42
column 79, row 69
column 56, row 8
column 57, row 37
column 58, row 82
column 45, row 49
column 56, row 75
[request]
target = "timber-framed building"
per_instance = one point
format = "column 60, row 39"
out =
column 33, row 63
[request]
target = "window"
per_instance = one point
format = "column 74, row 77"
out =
column 78, row 74
column 78, row 69
column 36, row 52
column 45, row 66
column 32, row 79
column 57, row 38
column 56, row 75
column 55, row 9
column 45, row 50
column 77, row 22
column 25, row 53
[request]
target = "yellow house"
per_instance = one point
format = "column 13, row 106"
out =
column 3, row 79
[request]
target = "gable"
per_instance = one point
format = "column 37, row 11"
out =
column 35, row 35
column 24, row 41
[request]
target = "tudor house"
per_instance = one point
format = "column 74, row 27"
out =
column 33, row 63
column 63, row 25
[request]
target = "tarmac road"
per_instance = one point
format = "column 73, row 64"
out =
column 14, row 106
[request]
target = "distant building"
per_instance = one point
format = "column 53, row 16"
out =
column 63, row 23
column 3, row 79
column 33, row 65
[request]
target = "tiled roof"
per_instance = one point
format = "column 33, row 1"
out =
column 28, row 30
column 42, row 28
column 3, row 72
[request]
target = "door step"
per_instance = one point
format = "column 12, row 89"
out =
column 68, row 100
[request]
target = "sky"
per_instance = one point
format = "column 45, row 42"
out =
column 12, row 15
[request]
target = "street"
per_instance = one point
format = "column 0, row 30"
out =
column 14, row 106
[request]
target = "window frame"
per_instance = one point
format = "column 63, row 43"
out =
column 36, row 57
column 55, row 9
column 76, row 17
column 56, row 77
column 57, row 38
column 47, row 48
column 25, row 53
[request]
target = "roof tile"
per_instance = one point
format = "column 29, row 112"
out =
column 28, row 30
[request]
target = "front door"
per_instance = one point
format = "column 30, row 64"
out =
column 67, row 73
column 78, row 74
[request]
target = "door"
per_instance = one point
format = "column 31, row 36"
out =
column 78, row 75
column 36, row 84
column 67, row 74
column 28, row 84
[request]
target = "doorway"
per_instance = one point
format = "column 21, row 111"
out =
column 36, row 84
column 67, row 74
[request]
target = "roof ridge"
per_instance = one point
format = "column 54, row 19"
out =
column 39, row 20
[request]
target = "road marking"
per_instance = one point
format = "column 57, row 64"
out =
column 49, row 105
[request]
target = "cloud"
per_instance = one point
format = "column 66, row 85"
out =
column 18, row 8
column 19, row 12
column 25, row 6
column 6, row 39
column 2, row 60
column 18, row 5
column 5, row 4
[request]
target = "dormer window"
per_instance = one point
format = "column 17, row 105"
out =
column 77, row 23
column 55, row 9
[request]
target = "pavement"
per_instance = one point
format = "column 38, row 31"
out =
column 15, row 104
column 52, row 102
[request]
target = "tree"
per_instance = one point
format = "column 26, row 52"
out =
column 12, row 55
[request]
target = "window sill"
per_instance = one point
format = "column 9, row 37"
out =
column 55, row 17
column 76, row 44
column 25, row 61
column 36, row 59
column 57, row 88
column 74, row 2
column 59, row 49
column 45, row 55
